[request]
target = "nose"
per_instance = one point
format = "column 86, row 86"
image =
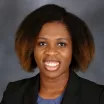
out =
column 51, row 51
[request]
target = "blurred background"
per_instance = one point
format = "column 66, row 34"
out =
column 12, row 12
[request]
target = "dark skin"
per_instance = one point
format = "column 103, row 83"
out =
column 53, row 54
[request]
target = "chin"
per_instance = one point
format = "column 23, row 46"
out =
column 53, row 75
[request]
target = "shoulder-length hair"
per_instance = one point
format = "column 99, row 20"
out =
column 82, row 41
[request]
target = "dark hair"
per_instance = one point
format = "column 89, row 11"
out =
column 82, row 40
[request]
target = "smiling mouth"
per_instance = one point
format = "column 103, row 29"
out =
column 51, row 65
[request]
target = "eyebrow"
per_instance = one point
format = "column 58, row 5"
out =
column 56, row 39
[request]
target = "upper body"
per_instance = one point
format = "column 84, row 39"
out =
column 58, row 43
column 77, row 91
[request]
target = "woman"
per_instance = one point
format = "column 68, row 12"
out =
column 58, row 43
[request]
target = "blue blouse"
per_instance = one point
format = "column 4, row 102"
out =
column 57, row 100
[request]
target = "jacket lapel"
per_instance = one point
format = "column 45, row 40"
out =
column 72, row 91
column 31, row 93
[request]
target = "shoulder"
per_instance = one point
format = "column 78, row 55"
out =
column 22, row 83
column 16, row 89
column 20, row 86
column 92, row 91
column 89, row 84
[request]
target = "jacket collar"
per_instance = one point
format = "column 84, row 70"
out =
column 71, row 94
column 31, row 93
column 72, row 91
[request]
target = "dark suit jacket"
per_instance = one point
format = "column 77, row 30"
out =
column 78, row 91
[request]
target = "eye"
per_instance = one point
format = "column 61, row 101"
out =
column 42, row 44
column 62, row 44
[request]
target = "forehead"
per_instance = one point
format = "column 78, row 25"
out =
column 54, row 30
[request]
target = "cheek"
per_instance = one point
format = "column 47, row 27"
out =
column 37, row 55
column 67, row 56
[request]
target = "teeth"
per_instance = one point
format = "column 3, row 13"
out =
column 51, row 63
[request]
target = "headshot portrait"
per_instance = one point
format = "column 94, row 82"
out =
column 59, row 43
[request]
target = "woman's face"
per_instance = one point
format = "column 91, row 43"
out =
column 53, row 50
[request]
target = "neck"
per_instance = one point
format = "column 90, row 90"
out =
column 52, row 88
